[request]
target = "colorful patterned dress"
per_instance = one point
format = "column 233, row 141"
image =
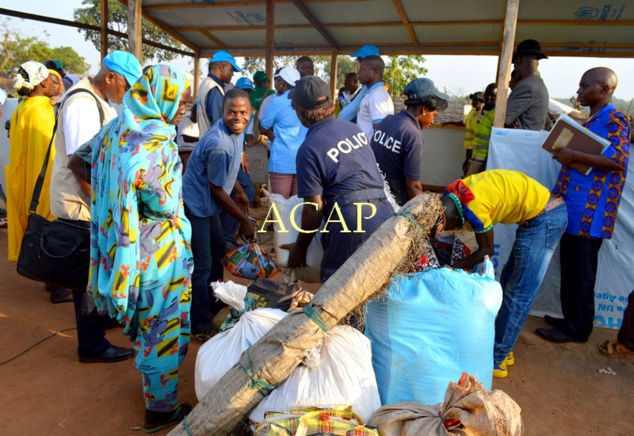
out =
column 140, row 260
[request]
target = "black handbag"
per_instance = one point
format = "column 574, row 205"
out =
column 55, row 252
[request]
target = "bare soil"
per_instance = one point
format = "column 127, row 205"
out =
column 47, row 391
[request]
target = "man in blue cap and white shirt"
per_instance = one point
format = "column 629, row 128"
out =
column 80, row 117
column 212, row 89
column 349, row 112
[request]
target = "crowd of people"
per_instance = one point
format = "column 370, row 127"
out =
column 159, row 230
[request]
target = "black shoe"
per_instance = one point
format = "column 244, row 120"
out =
column 557, row 336
column 59, row 295
column 112, row 354
column 558, row 323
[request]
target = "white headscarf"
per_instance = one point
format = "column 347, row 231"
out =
column 37, row 73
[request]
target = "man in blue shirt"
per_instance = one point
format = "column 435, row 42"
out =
column 211, row 175
column 349, row 112
column 289, row 134
column 398, row 143
column 212, row 89
column 339, row 176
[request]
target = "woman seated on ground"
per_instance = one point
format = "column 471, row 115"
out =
column 140, row 257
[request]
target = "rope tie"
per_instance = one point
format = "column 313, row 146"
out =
column 255, row 383
column 410, row 217
column 314, row 317
column 186, row 427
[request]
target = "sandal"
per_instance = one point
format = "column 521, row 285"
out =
column 613, row 347
column 179, row 414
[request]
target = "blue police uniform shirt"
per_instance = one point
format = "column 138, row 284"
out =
column 336, row 158
column 215, row 160
column 398, row 146
column 289, row 134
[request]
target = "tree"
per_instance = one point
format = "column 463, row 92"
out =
column 345, row 65
column 400, row 70
column 118, row 21
column 19, row 49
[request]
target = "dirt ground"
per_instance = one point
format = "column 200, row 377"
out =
column 47, row 391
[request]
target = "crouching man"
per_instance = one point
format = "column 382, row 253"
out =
column 479, row 202
column 337, row 172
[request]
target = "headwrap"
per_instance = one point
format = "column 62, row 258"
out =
column 37, row 73
column 133, row 152
column 461, row 195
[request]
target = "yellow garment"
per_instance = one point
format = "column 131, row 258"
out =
column 31, row 129
column 471, row 122
column 502, row 196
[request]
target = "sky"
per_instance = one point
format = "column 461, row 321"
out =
column 457, row 75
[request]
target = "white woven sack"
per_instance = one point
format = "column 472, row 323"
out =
column 339, row 372
column 218, row 355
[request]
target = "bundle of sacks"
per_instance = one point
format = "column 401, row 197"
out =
column 336, row 372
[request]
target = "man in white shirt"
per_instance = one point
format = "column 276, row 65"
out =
column 81, row 116
column 376, row 103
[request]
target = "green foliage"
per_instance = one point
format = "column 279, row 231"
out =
column 118, row 21
column 19, row 49
column 345, row 65
column 400, row 70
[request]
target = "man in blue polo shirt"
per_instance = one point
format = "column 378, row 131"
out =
column 337, row 172
column 398, row 143
column 211, row 174
column 349, row 112
column 212, row 89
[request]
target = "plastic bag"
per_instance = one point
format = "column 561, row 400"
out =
column 218, row 355
column 432, row 327
column 250, row 261
column 288, row 235
column 335, row 373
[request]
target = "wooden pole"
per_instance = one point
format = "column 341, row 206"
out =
column 504, row 73
column 103, row 27
column 333, row 75
column 135, row 35
column 274, row 357
column 196, row 75
column 270, row 39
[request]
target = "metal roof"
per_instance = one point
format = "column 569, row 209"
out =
column 563, row 27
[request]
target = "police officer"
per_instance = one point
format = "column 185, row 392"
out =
column 337, row 172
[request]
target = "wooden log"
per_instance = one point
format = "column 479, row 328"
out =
column 274, row 357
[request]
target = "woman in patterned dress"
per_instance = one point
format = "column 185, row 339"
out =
column 141, row 259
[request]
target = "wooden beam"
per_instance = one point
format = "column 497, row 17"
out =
column 270, row 40
column 405, row 20
column 103, row 27
column 209, row 36
column 508, row 42
column 333, row 76
column 135, row 35
column 299, row 4
column 166, row 29
column 196, row 75
column 77, row 25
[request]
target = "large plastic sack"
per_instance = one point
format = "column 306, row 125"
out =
column 286, row 233
column 218, row 355
column 433, row 326
column 338, row 372
column 468, row 410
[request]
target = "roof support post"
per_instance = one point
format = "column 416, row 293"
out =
column 196, row 75
column 504, row 68
column 270, row 35
column 135, row 37
column 333, row 75
column 103, row 27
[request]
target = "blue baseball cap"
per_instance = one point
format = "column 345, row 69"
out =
column 365, row 51
column 244, row 83
column 223, row 56
column 124, row 63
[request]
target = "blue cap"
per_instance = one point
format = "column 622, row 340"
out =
column 423, row 87
column 365, row 51
column 124, row 63
column 244, row 83
column 223, row 56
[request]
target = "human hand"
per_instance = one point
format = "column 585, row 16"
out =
column 296, row 257
column 565, row 155
column 247, row 229
column 245, row 163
